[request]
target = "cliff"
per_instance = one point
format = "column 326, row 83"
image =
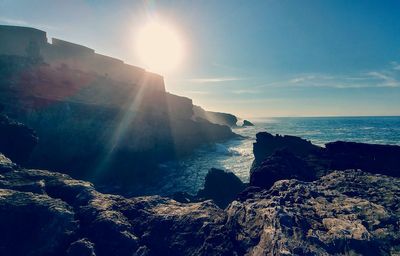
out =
column 215, row 117
column 96, row 117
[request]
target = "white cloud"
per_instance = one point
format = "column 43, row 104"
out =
column 214, row 80
column 246, row 91
column 198, row 92
column 19, row 22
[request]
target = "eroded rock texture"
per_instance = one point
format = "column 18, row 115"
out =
column 344, row 213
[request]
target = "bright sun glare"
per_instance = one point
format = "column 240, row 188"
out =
column 159, row 47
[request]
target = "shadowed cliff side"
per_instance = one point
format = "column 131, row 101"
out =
column 95, row 122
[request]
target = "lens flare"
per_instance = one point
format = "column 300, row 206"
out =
column 159, row 47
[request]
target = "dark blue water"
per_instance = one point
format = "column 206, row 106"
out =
column 237, row 155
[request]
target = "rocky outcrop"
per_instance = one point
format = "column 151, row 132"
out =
column 305, row 161
column 247, row 123
column 214, row 117
column 266, row 144
column 221, row 186
column 282, row 164
column 16, row 140
column 343, row 213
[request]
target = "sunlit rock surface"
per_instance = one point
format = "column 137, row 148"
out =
column 345, row 213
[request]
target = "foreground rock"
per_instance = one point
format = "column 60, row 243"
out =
column 343, row 213
column 347, row 212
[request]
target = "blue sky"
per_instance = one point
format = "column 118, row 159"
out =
column 251, row 58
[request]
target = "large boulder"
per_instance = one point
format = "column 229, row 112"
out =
column 221, row 186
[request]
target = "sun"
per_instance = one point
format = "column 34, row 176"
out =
column 159, row 47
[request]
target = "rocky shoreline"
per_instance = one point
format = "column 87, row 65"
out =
column 301, row 200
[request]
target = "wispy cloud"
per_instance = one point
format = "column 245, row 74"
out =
column 20, row 22
column 246, row 91
column 372, row 79
column 395, row 65
column 385, row 79
column 13, row 21
column 214, row 79
column 198, row 92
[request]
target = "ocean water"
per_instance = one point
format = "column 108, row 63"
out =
column 237, row 155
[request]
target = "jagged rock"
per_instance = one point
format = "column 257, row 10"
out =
column 247, row 123
column 279, row 166
column 266, row 144
column 16, row 140
column 221, row 186
column 343, row 213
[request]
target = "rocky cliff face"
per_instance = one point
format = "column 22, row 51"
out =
column 97, row 128
column 344, row 213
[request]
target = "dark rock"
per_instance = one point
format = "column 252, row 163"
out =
column 16, row 140
column 279, row 166
column 266, row 144
column 221, row 186
column 34, row 224
column 309, row 161
column 247, row 123
column 384, row 159
column 82, row 247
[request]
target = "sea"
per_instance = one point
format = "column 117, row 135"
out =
column 236, row 155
